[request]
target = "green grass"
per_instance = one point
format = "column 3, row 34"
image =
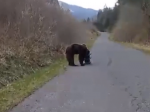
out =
column 14, row 93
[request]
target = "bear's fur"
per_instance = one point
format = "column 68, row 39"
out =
column 73, row 49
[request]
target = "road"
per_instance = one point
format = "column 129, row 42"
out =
column 117, row 81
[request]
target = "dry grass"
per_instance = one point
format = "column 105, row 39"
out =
column 141, row 47
column 32, row 34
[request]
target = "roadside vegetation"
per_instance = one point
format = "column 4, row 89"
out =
column 33, row 37
column 128, row 22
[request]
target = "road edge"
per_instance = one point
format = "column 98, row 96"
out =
column 140, row 47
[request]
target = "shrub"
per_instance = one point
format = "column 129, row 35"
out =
column 131, row 26
column 32, row 34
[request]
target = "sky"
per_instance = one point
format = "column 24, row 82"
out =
column 94, row 4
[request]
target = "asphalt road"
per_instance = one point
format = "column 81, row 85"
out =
column 118, row 81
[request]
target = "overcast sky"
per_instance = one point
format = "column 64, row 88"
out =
column 94, row 4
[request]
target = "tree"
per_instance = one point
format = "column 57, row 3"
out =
column 107, row 17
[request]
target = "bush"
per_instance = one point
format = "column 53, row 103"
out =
column 32, row 34
column 131, row 26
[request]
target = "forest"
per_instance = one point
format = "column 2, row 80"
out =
column 128, row 21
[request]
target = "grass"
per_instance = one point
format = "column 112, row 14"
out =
column 141, row 47
column 90, row 44
column 110, row 38
column 14, row 93
column 17, row 91
column 92, row 40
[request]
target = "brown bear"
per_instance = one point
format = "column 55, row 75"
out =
column 76, row 49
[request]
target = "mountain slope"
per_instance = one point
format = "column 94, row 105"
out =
column 79, row 12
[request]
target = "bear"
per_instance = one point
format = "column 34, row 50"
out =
column 73, row 49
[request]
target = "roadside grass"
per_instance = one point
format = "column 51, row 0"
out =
column 17, row 91
column 91, row 42
column 14, row 93
column 141, row 47
column 95, row 35
column 110, row 38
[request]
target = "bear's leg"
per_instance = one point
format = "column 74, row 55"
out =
column 68, row 59
column 81, row 59
column 71, row 60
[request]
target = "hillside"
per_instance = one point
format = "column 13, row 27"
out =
column 79, row 12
